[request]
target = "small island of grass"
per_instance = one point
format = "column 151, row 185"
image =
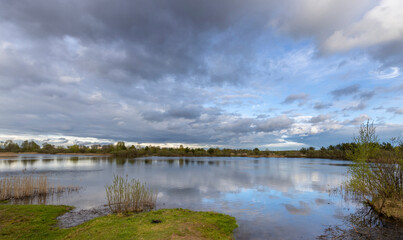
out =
column 39, row 222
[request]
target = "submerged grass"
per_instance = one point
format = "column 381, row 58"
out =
column 129, row 196
column 39, row 222
column 28, row 186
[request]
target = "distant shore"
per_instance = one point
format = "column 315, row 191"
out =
column 8, row 154
column 271, row 155
column 13, row 154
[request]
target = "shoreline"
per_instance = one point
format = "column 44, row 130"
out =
column 15, row 154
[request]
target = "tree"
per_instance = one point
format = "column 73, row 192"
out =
column 367, row 143
column 73, row 148
column 48, row 148
column 375, row 182
column 10, row 146
column 120, row 146
column 31, row 146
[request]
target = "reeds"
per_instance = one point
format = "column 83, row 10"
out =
column 28, row 186
column 129, row 196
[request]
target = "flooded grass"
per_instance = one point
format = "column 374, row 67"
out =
column 28, row 186
column 129, row 196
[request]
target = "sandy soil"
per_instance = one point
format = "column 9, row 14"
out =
column 8, row 154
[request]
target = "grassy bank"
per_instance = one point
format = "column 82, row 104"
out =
column 39, row 222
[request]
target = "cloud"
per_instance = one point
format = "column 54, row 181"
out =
column 320, row 118
column 239, row 96
column 365, row 96
column 274, row 124
column 355, row 106
column 320, row 105
column 346, row 91
column 360, row 119
column 70, row 79
column 395, row 110
column 320, row 19
column 382, row 24
column 125, row 43
column 390, row 73
column 205, row 73
column 301, row 98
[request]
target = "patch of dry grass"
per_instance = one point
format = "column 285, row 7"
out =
column 392, row 208
column 28, row 186
column 8, row 154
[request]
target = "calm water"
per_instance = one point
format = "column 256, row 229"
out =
column 271, row 198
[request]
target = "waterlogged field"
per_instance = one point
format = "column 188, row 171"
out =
column 269, row 197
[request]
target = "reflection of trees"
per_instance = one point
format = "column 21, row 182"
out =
column 365, row 223
column 365, row 217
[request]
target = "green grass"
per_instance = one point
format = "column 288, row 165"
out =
column 39, row 222
column 31, row 221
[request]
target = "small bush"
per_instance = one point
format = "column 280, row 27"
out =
column 129, row 196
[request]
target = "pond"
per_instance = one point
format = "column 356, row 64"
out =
column 271, row 198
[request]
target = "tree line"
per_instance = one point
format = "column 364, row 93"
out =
column 343, row 151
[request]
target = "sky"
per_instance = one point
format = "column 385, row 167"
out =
column 202, row 73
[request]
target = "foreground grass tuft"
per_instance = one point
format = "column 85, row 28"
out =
column 39, row 222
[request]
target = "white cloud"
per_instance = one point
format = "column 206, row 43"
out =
column 284, row 144
column 382, row 24
column 70, row 79
column 392, row 72
column 58, row 140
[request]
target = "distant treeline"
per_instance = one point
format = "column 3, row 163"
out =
column 342, row 151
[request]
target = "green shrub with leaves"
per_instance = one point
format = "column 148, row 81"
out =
column 376, row 182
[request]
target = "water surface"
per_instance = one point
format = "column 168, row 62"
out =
column 271, row 198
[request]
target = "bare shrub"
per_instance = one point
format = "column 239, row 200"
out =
column 129, row 196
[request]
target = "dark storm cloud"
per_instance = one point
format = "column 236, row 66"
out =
column 346, row 91
column 18, row 68
column 157, row 71
column 143, row 40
